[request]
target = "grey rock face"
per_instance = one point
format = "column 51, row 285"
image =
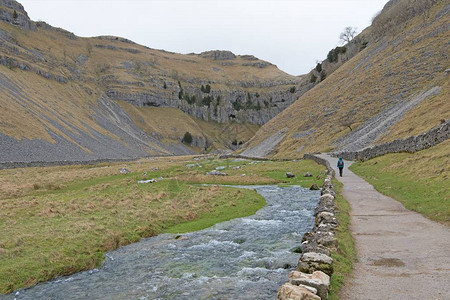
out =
column 22, row 18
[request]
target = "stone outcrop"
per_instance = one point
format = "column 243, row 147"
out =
column 19, row 18
column 412, row 144
column 315, row 265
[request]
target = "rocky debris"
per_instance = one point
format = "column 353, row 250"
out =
column 267, row 146
column 216, row 173
column 221, row 168
column 375, row 127
column 318, row 280
column 314, row 187
column 307, row 174
column 290, row 175
column 293, row 292
column 124, row 171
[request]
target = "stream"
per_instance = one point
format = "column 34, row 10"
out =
column 245, row 258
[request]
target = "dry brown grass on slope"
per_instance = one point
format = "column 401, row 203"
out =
column 391, row 69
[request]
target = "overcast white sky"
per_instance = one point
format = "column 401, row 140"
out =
column 293, row 34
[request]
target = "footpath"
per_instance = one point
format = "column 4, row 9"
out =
column 401, row 254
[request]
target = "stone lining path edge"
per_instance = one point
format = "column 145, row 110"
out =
column 401, row 254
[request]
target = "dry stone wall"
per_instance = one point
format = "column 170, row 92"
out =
column 412, row 144
column 311, row 280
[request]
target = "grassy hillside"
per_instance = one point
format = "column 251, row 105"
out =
column 398, row 63
column 421, row 181
column 51, row 81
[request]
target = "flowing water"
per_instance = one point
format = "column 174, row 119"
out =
column 246, row 258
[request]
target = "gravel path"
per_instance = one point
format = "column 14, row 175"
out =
column 401, row 254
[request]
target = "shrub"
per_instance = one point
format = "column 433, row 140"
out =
column 237, row 105
column 187, row 139
column 334, row 53
column 15, row 15
column 292, row 89
column 319, row 67
column 206, row 101
column 205, row 89
column 165, row 85
column 313, row 78
column 180, row 94
column 323, row 75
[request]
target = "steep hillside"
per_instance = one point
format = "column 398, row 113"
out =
column 395, row 85
column 63, row 97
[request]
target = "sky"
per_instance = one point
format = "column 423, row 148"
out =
column 292, row 34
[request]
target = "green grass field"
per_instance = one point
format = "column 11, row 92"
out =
column 60, row 220
column 420, row 181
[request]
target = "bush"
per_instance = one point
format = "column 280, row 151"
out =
column 205, row 89
column 319, row 67
column 206, row 101
column 187, row 139
column 165, row 85
column 313, row 78
column 334, row 53
column 323, row 75
column 292, row 89
column 237, row 105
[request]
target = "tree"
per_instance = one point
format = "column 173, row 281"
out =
column 15, row 15
column 187, row 139
column 347, row 35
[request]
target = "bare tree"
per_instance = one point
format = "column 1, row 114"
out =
column 347, row 35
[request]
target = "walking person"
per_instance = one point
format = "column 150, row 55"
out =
column 340, row 166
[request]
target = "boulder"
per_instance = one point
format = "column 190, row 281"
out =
column 290, row 175
column 307, row 174
column 292, row 292
column 311, row 261
column 318, row 280
column 314, row 187
column 216, row 173
column 124, row 171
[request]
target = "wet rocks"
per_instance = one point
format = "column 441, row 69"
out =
column 290, row 175
column 293, row 292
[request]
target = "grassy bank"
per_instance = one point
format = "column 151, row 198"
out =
column 344, row 257
column 420, row 181
column 60, row 220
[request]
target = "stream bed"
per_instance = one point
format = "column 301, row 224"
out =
column 245, row 258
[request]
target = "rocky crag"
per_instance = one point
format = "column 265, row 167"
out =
column 96, row 98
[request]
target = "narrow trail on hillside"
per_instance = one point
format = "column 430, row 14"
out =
column 401, row 254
